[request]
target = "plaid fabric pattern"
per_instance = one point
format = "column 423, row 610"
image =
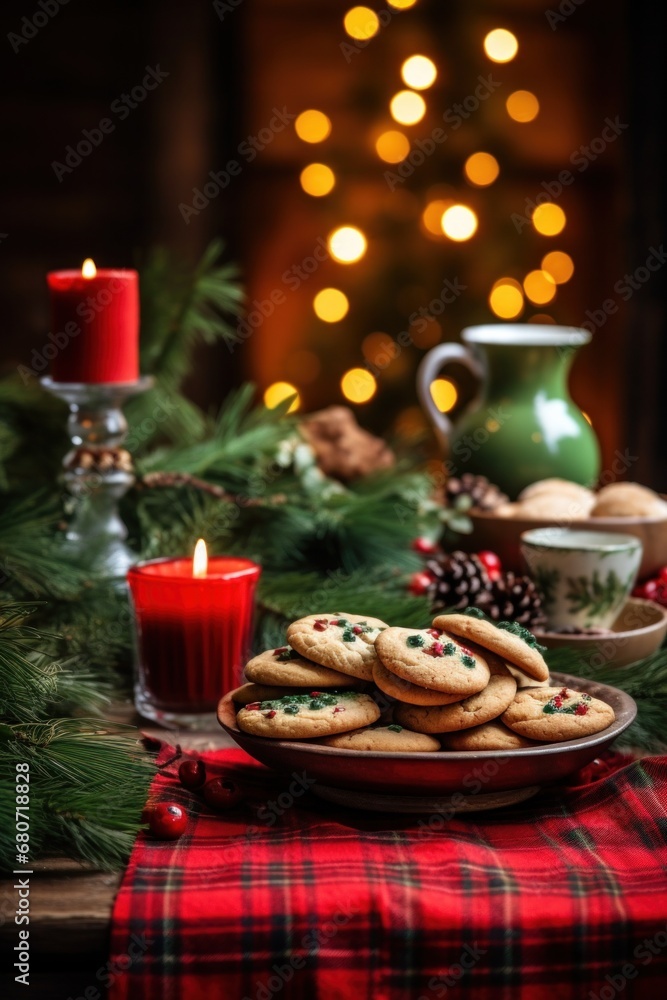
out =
column 289, row 898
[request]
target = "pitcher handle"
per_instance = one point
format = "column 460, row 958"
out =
column 429, row 368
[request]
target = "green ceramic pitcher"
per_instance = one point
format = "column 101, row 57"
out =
column 523, row 426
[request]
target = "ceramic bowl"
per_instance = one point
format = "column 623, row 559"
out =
column 639, row 630
column 502, row 535
column 433, row 774
column 585, row 577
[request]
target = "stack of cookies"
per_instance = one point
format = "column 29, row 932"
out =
column 466, row 683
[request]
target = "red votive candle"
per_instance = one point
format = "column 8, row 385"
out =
column 94, row 325
column 193, row 635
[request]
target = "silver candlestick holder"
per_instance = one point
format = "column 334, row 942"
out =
column 98, row 471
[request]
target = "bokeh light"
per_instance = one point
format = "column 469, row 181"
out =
column 312, row 126
column 419, row 72
column 459, row 223
column 317, row 179
column 586, row 417
column 407, row 107
column 401, row 4
column 358, row 385
column 280, row 391
column 444, row 394
column 549, row 219
column 432, row 215
column 347, row 244
column 410, row 422
column 540, row 287
column 506, row 298
column 542, row 318
column 392, row 146
column 481, row 169
column 361, row 23
column 522, row 106
column 378, row 347
column 559, row 265
column 331, row 305
column 501, row 45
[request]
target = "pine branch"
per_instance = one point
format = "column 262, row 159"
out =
column 30, row 548
column 88, row 786
column 180, row 306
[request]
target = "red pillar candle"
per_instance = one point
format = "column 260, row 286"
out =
column 94, row 324
column 193, row 633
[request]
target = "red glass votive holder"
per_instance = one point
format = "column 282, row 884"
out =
column 193, row 636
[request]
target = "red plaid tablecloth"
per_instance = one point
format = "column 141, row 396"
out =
column 290, row 898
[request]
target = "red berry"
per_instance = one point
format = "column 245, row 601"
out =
column 221, row 793
column 192, row 774
column 663, row 574
column 420, row 583
column 491, row 563
column 425, row 546
column 167, row 820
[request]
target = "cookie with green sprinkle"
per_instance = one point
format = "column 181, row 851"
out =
column 554, row 714
column 285, row 667
column 397, row 687
column 309, row 715
column 475, row 710
column 509, row 640
column 340, row 641
column 434, row 660
column 383, row 739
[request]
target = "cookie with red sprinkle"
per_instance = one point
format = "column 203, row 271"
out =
column 339, row 641
column 432, row 659
column 511, row 641
column 285, row 667
column 475, row 710
column 554, row 714
column 309, row 715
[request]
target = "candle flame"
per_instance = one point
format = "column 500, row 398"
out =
column 200, row 559
column 88, row 269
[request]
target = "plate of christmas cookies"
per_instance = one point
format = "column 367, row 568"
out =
column 384, row 717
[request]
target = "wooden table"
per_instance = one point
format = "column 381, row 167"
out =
column 71, row 905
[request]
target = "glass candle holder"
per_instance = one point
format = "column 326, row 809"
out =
column 193, row 636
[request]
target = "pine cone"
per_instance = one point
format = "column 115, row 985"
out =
column 483, row 494
column 513, row 598
column 459, row 580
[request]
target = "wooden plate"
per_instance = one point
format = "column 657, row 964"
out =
column 434, row 774
column 639, row 630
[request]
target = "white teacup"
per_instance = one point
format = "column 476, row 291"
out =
column 585, row 577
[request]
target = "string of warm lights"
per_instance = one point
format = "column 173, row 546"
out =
column 442, row 218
